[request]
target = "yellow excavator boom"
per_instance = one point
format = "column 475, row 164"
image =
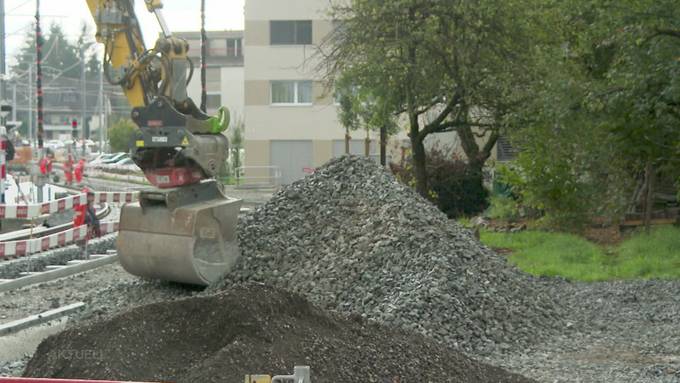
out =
column 184, row 231
column 122, row 41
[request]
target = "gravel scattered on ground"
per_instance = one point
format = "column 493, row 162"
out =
column 14, row 367
column 626, row 331
column 34, row 299
column 352, row 239
column 249, row 330
column 333, row 246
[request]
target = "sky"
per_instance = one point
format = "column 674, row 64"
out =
column 180, row 15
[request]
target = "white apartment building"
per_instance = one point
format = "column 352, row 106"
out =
column 291, row 121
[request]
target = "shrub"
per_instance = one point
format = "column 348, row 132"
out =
column 503, row 207
column 456, row 188
column 121, row 134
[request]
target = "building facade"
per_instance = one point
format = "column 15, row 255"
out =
column 224, row 76
column 291, row 119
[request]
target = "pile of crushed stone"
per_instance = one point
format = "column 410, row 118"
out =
column 352, row 239
column 248, row 330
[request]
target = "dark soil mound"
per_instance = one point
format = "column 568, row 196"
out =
column 249, row 329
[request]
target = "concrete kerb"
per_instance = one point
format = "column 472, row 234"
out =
column 33, row 320
column 56, row 273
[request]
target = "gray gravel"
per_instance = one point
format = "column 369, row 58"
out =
column 626, row 331
column 15, row 367
column 338, row 236
column 352, row 239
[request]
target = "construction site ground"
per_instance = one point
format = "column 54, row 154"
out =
column 626, row 331
column 619, row 332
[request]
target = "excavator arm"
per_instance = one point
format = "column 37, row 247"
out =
column 177, row 143
column 185, row 230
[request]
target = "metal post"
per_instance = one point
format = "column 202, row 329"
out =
column 14, row 101
column 204, row 55
column 38, row 75
column 31, row 138
column 101, row 109
column 2, row 50
column 106, row 122
column 83, row 95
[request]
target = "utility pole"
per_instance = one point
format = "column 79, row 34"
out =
column 101, row 108
column 31, row 138
column 2, row 50
column 42, row 178
column 204, row 55
column 38, row 76
column 83, row 95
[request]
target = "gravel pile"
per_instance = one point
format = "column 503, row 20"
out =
column 250, row 330
column 352, row 239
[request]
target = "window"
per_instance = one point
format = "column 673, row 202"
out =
column 234, row 48
column 291, row 92
column 217, row 47
column 213, row 101
column 290, row 32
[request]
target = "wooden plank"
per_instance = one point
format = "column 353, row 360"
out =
column 656, row 221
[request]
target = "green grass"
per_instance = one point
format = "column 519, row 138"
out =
column 642, row 256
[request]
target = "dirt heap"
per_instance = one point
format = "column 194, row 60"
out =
column 351, row 238
column 249, row 329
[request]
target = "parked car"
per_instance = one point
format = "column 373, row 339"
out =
column 109, row 158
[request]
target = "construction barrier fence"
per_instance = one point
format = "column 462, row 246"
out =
column 31, row 211
column 24, row 247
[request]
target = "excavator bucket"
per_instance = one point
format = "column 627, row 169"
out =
column 185, row 235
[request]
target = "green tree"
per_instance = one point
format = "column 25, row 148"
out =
column 121, row 134
column 606, row 107
column 236, row 141
column 445, row 65
column 362, row 109
column 58, row 53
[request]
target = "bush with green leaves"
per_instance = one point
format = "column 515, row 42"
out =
column 121, row 134
column 455, row 187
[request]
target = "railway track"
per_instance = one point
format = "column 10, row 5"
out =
column 42, row 231
column 55, row 271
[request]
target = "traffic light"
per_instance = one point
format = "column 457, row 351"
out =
column 74, row 131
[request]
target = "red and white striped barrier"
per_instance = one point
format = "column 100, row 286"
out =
column 16, row 249
column 45, row 380
column 30, row 211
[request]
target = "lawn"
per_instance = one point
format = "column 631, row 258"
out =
column 640, row 256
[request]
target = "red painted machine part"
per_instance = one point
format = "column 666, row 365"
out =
column 173, row 177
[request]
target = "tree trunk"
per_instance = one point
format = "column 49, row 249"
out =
column 367, row 145
column 649, row 195
column 347, row 138
column 419, row 167
column 383, row 145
